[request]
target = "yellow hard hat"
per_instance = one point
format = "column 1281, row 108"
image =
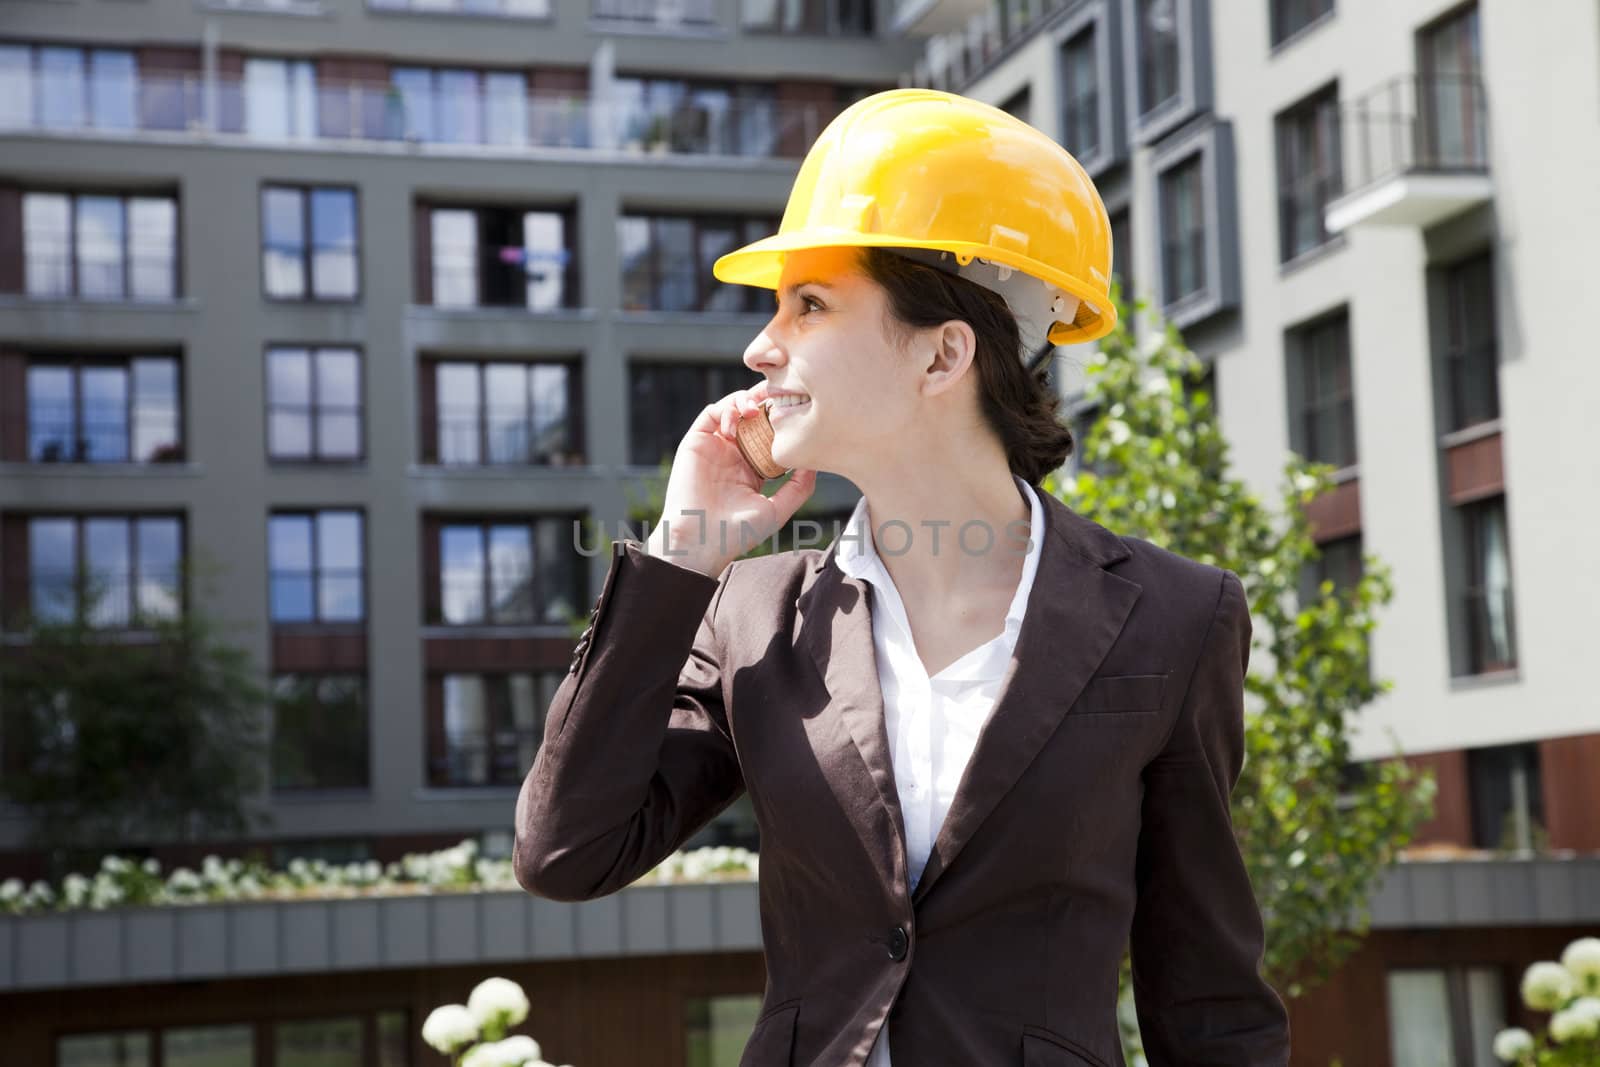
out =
column 965, row 182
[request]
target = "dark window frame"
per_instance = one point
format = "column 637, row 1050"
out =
column 1455, row 976
column 76, row 364
column 833, row 23
column 433, row 417
column 1327, row 336
column 540, row 591
column 1083, row 109
column 499, row 721
column 1475, row 591
column 1289, row 20
column 1219, row 291
column 314, row 408
column 316, row 571
column 308, row 248
column 80, row 569
column 1319, row 180
column 706, row 285
column 1464, row 21
column 1193, row 87
column 124, row 252
column 282, row 678
column 1469, row 353
column 673, row 425
column 481, row 215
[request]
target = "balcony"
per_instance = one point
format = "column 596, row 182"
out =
column 922, row 18
column 665, row 15
column 1416, row 152
column 480, row 118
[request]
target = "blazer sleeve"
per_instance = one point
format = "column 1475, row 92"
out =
column 637, row 753
column 1197, row 936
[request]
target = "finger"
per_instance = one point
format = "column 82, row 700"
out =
column 795, row 490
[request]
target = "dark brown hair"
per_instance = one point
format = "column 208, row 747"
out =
column 1019, row 405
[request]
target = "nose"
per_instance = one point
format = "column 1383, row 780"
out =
column 763, row 353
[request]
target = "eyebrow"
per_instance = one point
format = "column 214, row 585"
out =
column 792, row 289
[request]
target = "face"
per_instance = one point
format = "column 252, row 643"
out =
column 830, row 340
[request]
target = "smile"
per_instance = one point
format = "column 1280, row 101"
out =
column 780, row 406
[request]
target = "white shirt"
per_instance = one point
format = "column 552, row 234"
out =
column 933, row 723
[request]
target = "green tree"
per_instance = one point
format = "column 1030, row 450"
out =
column 147, row 733
column 1154, row 464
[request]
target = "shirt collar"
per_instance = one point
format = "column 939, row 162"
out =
column 858, row 557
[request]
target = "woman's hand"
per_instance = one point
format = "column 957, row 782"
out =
column 710, row 476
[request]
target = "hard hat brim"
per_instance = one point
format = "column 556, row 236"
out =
column 760, row 264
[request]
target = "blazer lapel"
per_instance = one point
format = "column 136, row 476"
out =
column 1075, row 611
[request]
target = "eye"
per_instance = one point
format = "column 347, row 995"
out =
column 808, row 302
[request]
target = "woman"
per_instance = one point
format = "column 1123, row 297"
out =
column 987, row 741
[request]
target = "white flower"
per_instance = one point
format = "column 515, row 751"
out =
column 1570, row 1025
column 449, row 1027
column 151, row 866
column 519, row 1050
column 11, row 889
column 1511, row 1045
column 1589, row 1006
column 1582, row 959
column 498, row 1000
column 1546, row 986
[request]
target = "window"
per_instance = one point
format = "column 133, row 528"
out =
column 502, row 257
column 1310, row 172
column 494, row 413
column 317, row 573
column 1327, row 396
column 537, row 9
column 666, row 397
column 1289, row 17
column 461, row 106
column 1183, row 231
column 106, row 571
column 324, row 1042
column 1158, row 53
column 508, row 571
column 319, row 732
column 716, row 1028
column 1339, row 563
column 1491, row 629
column 717, row 118
column 1019, row 105
column 1450, row 57
column 1080, row 94
column 280, row 99
column 308, row 243
column 68, row 88
column 314, row 404
column 1122, row 256
column 1471, row 345
column 488, row 726
column 666, row 262
column 318, row 1043
column 100, row 246
column 1507, row 797
column 835, row 18
column 103, row 410
column 1445, row 1017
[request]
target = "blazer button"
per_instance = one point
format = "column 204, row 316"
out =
column 898, row 942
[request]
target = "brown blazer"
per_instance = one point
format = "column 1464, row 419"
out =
column 1094, row 808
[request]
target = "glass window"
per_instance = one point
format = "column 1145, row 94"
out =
column 506, row 394
column 394, row 1039
column 283, row 244
column 506, row 108
column 53, row 569
column 62, row 101
column 491, row 726
column 314, row 404
column 319, row 741
column 16, row 86
column 318, row 1043
column 104, row 426
column 47, row 243
column 209, row 1046
column 1183, row 237
column 1289, row 17
column 126, row 571
column 525, row 418
column 333, row 242
column 113, row 88
column 416, row 96
column 100, row 240
column 1471, row 341
column 460, row 108
column 159, row 543
column 460, row 427
column 1329, row 393
column 664, row 399
column 317, row 567
column 510, row 574
column 461, row 578
column 130, row 1049
column 155, row 411
column 1491, row 622
column 1445, row 1017
column 1158, row 53
column 1080, row 76
column 491, row 573
column 667, row 262
column 716, row 1029
column 280, row 99
column 152, row 247
column 1453, row 108
column 52, row 415
column 545, row 246
column 455, row 258
column 1310, row 172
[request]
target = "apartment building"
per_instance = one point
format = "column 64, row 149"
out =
column 1369, row 219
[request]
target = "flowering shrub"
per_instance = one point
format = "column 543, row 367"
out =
column 122, row 882
column 1570, row 990
column 474, row 1034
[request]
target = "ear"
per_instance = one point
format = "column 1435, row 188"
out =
column 948, row 351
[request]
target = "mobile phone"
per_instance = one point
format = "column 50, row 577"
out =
column 754, row 437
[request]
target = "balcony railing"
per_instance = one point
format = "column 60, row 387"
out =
column 481, row 118
column 664, row 14
column 533, row 9
column 1416, row 123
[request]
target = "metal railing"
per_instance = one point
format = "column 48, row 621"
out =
column 661, row 13
column 533, row 9
column 474, row 439
column 482, row 117
column 1434, row 123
